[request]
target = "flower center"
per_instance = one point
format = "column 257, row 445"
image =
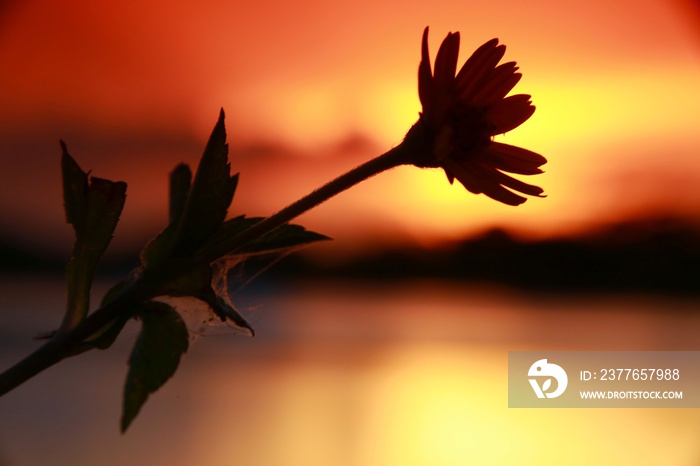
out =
column 471, row 129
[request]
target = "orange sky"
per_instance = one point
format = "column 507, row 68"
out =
column 312, row 88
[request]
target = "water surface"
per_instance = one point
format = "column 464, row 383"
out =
column 347, row 374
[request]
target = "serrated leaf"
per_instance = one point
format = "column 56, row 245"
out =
column 210, row 195
column 159, row 248
column 155, row 357
column 229, row 229
column 197, row 208
column 283, row 238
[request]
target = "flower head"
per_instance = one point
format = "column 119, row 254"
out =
column 462, row 111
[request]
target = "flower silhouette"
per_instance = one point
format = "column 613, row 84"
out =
column 462, row 111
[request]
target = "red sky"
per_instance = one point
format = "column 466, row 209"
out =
column 312, row 88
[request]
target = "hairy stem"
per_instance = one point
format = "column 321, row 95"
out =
column 394, row 157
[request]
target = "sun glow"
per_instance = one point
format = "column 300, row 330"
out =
column 616, row 110
column 389, row 109
column 431, row 410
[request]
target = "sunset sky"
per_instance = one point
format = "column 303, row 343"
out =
column 374, row 373
column 312, row 88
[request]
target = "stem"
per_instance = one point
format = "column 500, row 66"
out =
column 79, row 279
column 399, row 155
column 66, row 344
column 70, row 341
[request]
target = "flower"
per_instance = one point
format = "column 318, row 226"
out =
column 462, row 111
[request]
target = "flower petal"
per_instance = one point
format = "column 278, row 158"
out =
column 464, row 112
column 466, row 173
column 477, row 59
column 501, row 194
column 425, row 75
column 514, row 159
column 446, row 62
column 501, row 81
column 479, row 65
column 518, row 185
column 482, row 180
column 479, row 178
column 510, row 113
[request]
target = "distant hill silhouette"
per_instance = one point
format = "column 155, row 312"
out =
column 655, row 255
column 660, row 255
column 17, row 258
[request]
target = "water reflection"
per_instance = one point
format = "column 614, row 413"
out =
column 352, row 375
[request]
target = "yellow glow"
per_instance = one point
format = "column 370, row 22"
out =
column 595, row 109
column 413, row 404
column 583, row 125
column 589, row 126
column 447, row 405
column 611, row 80
column 436, row 412
column 590, row 121
column 389, row 109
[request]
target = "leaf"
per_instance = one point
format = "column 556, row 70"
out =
column 182, row 277
column 226, row 312
column 180, row 182
column 160, row 248
column 197, row 208
column 105, row 337
column 75, row 186
column 229, row 229
column 194, row 279
column 210, row 195
column 155, row 357
column 117, row 289
column 284, row 237
column 93, row 207
column 105, row 203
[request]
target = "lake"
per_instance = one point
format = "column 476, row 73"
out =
column 349, row 374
